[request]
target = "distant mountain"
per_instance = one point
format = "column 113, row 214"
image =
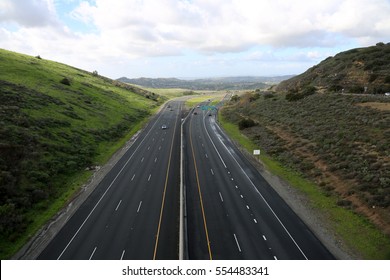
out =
column 362, row 70
column 223, row 83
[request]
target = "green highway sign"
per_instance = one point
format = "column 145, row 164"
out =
column 207, row 107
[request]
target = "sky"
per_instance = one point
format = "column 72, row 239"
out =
column 191, row 38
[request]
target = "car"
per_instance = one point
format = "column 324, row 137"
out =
column 195, row 113
column 164, row 126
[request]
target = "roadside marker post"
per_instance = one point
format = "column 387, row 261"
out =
column 256, row 153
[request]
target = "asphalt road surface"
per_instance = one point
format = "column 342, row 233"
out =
column 134, row 212
column 231, row 211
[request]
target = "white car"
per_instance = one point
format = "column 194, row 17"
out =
column 163, row 126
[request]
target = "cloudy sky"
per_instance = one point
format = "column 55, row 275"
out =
column 191, row 38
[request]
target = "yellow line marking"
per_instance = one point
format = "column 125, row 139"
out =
column 165, row 190
column 200, row 196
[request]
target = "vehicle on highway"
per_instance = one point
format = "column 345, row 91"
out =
column 164, row 126
column 195, row 113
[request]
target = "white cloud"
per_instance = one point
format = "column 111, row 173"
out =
column 84, row 12
column 35, row 13
column 129, row 29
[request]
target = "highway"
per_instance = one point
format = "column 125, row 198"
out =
column 231, row 211
column 134, row 212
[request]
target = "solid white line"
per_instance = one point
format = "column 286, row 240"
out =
column 133, row 177
column 123, row 253
column 139, row 206
column 263, row 198
column 94, row 250
column 238, row 244
column 212, row 142
column 118, row 205
column 221, row 196
column 109, row 187
column 150, row 176
column 265, row 239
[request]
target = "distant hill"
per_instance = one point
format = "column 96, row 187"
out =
column 56, row 121
column 362, row 70
column 224, row 83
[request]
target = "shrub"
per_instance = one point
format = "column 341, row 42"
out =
column 294, row 96
column 65, row 81
column 235, row 98
column 254, row 97
column 245, row 123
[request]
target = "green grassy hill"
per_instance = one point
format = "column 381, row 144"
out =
column 362, row 70
column 55, row 122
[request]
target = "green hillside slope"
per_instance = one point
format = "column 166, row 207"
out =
column 340, row 143
column 362, row 70
column 55, row 122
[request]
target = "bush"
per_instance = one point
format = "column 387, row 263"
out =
column 65, row 81
column 235, row 98
column 254, row 97
column 246, row 123
column 294, row 96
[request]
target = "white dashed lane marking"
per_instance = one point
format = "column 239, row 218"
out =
column 116, row 209
column 238, row 244
column 139, row 206
column 94, row 250
column 220, row 195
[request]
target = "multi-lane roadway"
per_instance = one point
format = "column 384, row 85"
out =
column 230, row 211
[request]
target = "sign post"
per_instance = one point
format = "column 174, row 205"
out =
column 257, row 153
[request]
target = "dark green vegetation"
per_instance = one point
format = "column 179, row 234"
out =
column 55, row 122
column 228, row 83
column 339, row 142
column 363, row 70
